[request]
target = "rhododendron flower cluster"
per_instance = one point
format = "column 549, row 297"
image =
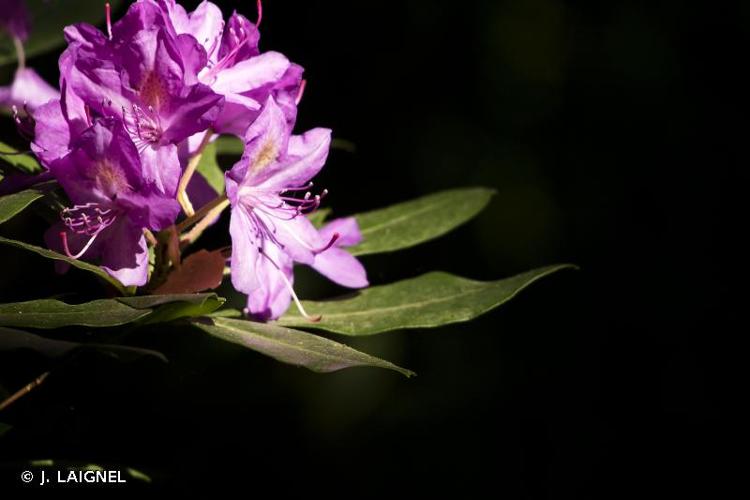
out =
column 137, row 104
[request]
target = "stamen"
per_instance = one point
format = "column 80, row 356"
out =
column 300, row 92
column 64, row 237
column 260, row 14
column 289, row 286
column 108, row 11
column 334, row 239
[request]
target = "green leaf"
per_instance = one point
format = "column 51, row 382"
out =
column 292, row 346
column 430, row 300
column 210, row 170
column 171, row 307
column 49, row 313
column 413, row 222
column 48, row 18
column 20, row 161
column 4, row 428
column 14, row 340
column 229, row 145
column 101, row 273
column 13, row 204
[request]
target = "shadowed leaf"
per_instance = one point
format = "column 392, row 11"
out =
column 101, row 273
column 14, row 340
column 292, row 346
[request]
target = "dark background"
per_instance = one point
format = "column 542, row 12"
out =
column 609, row 130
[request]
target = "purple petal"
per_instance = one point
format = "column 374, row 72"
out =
column 347, row 229
column 149, row 208
column 124, row 253
column 161, row 165
column 341, row 267
column 305, row 157
column 244, row 252
column 272, row 298
column 28, row 90
column 265, row 141
column 251, row 73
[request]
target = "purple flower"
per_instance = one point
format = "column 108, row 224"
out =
column 28, row 91
column 113, row 203
column 15, row 19
column 268, row 228
column 146, row 75
column 235, row 68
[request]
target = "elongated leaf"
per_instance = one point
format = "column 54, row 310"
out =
column 48, row 18
column 4, row 428
column 292, row 346
column 49, row 313
column 13, row 340
column 20, row 161
column 413, row 222
column 101, row 273
column 13, row 204
column 430, row 300
column 175, row 306
column 210, row 170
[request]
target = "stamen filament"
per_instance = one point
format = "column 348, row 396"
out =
column 64, row 238
column 108, row 11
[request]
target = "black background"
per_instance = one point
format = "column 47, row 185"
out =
column 609, row 130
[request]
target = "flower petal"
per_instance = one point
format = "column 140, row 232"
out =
column 347, row 229
column 244, row 251
column 341, row 267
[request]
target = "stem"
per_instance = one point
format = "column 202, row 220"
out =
column 24, row 390
column 20, row 54
column 203, row 212
column 192, row 165
column 202, row 224
column 150, row 238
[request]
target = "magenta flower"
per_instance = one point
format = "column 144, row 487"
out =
column 268, row 227
column 144, row 74
column 113, row 203
column 235, row 68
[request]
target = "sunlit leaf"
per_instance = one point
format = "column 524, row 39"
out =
column 13, row 204
column 175, row 306
column 20, row 161
column 48, row 18
column 408, row 224
column 229, row 145
column 210, row 170
column 98, row 271
column 430, row 300
column 292, row 346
